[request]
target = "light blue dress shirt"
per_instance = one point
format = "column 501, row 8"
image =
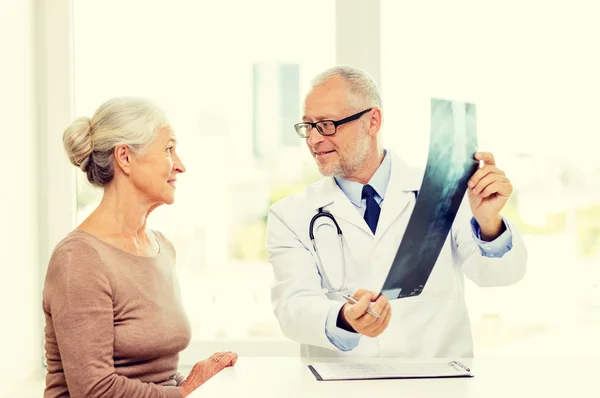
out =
column 347, row 341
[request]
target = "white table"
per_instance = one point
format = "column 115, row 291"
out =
column 494, row 377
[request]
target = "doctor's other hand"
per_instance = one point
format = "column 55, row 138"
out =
column 204, row 370
column 364, row 323
column 488, row 192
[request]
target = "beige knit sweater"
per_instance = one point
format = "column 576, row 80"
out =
column 115, row 323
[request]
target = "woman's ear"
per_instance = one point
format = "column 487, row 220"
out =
column 123, row 157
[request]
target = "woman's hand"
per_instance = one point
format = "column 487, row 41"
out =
column 204, row 370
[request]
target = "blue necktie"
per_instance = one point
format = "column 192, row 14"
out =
column 373, row 209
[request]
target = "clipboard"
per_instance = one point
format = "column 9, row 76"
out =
column 323, row 371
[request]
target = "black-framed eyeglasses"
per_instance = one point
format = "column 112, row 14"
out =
column 325, row 127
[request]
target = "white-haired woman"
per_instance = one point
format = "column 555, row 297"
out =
column 115, row 323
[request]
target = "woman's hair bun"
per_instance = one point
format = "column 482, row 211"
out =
column 77, row 140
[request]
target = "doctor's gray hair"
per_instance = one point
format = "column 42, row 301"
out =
column 363, row 91
column 90, row 142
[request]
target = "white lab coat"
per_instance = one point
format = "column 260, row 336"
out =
column 433, row 324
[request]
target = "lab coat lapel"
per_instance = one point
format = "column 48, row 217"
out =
column 403, row 181
column 338, row 204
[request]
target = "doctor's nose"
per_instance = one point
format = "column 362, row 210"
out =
column 314, row 137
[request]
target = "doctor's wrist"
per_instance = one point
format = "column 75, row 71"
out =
column 489, row 230
column 342, row 323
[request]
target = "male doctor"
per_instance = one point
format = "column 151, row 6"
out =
column 370, row 192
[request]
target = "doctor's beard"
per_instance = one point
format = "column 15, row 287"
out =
column 349, row 163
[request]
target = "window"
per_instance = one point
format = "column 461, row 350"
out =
column 231, row 77
column 529, row 70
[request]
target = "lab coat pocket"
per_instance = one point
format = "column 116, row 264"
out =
column 425, row 328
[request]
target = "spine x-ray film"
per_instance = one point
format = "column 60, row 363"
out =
column 450, row 164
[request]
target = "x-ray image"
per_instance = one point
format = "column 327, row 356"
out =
column 450, row 164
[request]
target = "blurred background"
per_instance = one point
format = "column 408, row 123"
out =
column 232, row 75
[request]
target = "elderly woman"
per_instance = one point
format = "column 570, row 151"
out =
column 115, row 323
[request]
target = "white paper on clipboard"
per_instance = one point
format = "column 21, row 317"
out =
column 371, row 371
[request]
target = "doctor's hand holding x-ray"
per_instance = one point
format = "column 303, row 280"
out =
column 367, row 195
column 489, row 191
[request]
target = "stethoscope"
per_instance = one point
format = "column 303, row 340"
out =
column 326, row 214
column 323, row 213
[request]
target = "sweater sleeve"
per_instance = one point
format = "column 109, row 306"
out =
column 81, row 307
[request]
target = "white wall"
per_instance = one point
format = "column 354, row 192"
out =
column 20, row 285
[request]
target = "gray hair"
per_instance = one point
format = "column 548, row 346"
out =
column 90, row 142
column 363, row 91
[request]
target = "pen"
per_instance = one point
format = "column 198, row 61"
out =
column 352, row 300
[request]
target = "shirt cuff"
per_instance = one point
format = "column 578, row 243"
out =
column 342, row 339
column 496, row 248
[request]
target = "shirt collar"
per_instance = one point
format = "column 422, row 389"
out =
column 379, row 182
